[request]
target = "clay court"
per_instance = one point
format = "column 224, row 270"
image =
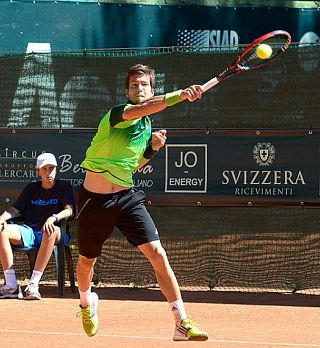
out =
column 234, row 193
column 132, row 318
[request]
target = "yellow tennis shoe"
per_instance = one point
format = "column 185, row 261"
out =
column 188, row 331
column 90, row 320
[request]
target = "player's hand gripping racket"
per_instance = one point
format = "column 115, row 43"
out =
column 260, row 52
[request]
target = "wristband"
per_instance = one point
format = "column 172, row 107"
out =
column 173, row 98
column 149, row 152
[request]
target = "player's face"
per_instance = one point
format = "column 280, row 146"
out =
column 139, row 89
column 47, row 174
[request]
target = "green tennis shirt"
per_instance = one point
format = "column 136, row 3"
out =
column 118, row 146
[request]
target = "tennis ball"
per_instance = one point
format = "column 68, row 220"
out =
column 264, row 51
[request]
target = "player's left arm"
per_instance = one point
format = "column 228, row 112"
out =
column 158, row 141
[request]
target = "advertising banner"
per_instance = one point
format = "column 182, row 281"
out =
column 196, row 167
column 80, row 25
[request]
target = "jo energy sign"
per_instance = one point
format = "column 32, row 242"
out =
column 186, row 168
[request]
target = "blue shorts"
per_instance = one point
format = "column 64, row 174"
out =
column 32, row 238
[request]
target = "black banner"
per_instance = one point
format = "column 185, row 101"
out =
column 196, row 167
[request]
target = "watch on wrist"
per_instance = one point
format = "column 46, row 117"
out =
column 56, row 217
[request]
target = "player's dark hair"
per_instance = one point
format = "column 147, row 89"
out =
column 140, row 69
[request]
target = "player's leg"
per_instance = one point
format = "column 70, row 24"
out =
column 140, row 230
column 88, row 299
column 85, row 269
column 93, row 229
column 166, row 279
column 10, row 235
column 185, row 329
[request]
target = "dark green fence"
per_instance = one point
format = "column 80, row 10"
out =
column 76, row 90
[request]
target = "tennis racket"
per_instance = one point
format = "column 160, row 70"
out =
column 278, row 40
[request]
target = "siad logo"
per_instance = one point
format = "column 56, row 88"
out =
column 215, row 38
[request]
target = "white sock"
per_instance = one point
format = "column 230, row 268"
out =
column 10, row 276
column 85, row 298
column 35, row 277
column 178, row 310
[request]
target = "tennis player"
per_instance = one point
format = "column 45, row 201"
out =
column 123, row 143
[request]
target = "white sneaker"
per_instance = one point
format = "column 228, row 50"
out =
column 31, row 292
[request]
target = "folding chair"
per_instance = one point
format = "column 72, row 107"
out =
column 61, row 253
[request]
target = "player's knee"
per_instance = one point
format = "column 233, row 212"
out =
column 159, row 258
column 85, row 264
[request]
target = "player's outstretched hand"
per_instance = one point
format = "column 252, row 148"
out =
column 192, row 93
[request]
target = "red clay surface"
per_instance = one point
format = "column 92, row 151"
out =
column 141, row 318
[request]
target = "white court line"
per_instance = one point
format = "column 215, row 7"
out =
column 254, row 343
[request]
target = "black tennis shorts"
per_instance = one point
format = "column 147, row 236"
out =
column 98, row 214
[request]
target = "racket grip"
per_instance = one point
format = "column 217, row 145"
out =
column 209, row 84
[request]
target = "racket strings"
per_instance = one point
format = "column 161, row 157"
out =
column 251, row 60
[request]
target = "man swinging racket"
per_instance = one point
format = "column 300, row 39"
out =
column 123, row 143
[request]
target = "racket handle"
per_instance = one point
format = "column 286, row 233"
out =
column 211, row 83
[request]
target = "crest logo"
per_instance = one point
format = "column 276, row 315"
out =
column 264, row 154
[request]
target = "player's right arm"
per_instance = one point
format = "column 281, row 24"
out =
column 158, row 103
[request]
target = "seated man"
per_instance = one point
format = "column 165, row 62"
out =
column 42, row 204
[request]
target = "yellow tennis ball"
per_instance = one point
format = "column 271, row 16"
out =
column 264, row 51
